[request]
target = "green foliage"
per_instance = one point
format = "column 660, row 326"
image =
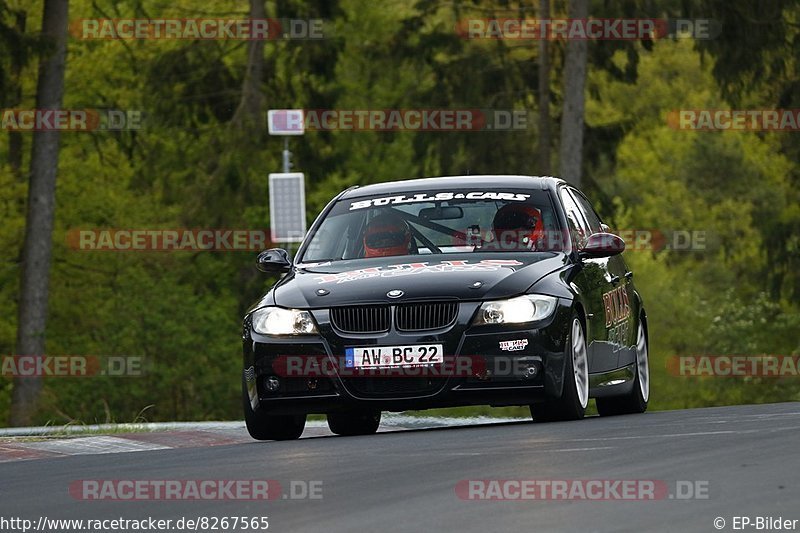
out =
column 188, row 167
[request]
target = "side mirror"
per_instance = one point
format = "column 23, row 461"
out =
column 602, row 245
column 273, row 260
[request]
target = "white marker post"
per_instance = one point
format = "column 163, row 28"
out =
column 286, row 122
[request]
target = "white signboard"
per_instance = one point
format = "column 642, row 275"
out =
column 285, row 122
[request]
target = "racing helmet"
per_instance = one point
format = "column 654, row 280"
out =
column 517, row 226
column 387, row 235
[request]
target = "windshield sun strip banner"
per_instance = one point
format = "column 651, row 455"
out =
column 400, row 199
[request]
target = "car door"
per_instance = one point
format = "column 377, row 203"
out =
column 619, row 320
column 593, row 282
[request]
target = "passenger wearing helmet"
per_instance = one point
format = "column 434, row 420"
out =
column 517, row 227
column 388, row 235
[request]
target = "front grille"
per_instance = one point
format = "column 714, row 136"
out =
column 425, row 316
column 361, row 319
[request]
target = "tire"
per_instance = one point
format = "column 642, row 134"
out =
column 262, row 426
column 636, row 401
column 571, row 405
column 354, row 423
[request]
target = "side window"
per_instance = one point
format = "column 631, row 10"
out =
column 589, row 214
column 577, row 226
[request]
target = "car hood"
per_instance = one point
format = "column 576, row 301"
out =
column 463, row 277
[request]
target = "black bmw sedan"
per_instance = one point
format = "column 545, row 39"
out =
column 440, row 292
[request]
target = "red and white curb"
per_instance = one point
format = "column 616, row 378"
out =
column 100, row 444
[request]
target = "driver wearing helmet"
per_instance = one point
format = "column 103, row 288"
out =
column 517, row 227
column 388, row 235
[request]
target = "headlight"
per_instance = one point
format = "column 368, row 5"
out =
column 527, row 308
column 279, row 321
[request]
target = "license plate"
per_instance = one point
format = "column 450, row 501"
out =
column 393, row 356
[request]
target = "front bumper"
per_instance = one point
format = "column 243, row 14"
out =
column 478, row 371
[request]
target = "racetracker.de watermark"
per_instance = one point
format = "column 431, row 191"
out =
column 70, row 119
column 72, row 366
column 399, row 363
column 167, row 240
column 581, row 489
column 267, row 29
column 734, row 119
column 733, row 366
column 640, row 240
column 439, row 120
column 594, row 29
column 194, row 489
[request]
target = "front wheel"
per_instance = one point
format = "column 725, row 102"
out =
column 354, row 423
column 262, row 426
column 571, row 405
column 636, row 401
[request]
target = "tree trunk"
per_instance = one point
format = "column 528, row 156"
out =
column 544, row 95
column 572, row 122
column 15, row 144
column 248, row 114
column 37, row 248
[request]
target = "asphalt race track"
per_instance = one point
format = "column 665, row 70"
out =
column 747, row 456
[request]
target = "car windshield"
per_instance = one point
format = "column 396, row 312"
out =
column 436, row 222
